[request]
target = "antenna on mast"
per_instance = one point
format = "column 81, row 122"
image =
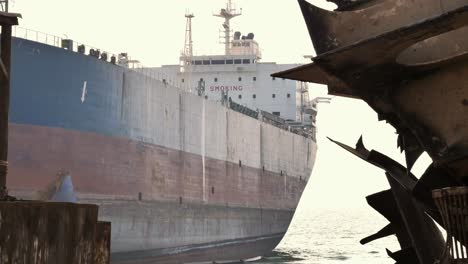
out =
column 228, row 13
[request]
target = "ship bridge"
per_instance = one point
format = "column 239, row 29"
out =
column 214, row 60
column 243, row 50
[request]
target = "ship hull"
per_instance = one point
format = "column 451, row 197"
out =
column 170, row 223
column 175, row 174
column 229, row 251
column 230, row 233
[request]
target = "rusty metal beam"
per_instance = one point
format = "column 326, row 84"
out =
column 6, row 21
column 409, row 61
column 331, row 30
column 9, row 18
column 392, row 72
column 372, row 62
column 315, row 74
column 4, row 106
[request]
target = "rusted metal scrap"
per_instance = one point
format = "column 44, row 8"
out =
column 7, row 20
column 407, row 214
column 399, row 72
column 408, row 60
column 52, row 233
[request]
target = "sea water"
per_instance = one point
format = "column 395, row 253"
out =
column 332, row 236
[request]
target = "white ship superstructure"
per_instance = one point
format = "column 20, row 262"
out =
column 240, row 76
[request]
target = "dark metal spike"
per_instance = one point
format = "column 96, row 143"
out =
column 360, row 145
column 396, row 170
column 388, row 230
column 412, row 148
column 384, row 203
column 404, row 256
column 362, row 152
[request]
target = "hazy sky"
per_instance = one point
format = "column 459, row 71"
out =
column 153, row 31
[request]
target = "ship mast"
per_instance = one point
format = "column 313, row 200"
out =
column 228, row 13
column 187, row 53
column 188, row 46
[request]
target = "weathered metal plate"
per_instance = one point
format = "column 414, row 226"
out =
column 47, row 233
column 331, row 30
column 103, row 243
column 396, row 74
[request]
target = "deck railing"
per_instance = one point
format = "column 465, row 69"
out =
column 56, row 41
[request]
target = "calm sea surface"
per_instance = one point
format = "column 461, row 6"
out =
column 332, row 236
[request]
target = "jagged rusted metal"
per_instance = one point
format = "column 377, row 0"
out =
column 409, row 61
column 330, row 30
column 408, row 143
column 409, row 66
column 426, row 238
column 407, row 213
column 395, row 169
column 384, row 203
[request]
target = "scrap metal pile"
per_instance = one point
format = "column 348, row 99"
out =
column 409, row 61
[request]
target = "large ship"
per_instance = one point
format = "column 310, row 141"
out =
column 201, row 161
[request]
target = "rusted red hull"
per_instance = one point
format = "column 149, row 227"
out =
column 154, row 195
column 120, row 168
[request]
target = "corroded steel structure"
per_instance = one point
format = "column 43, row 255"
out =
column 52, row 233
column 408, row 60
column 7, row 20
